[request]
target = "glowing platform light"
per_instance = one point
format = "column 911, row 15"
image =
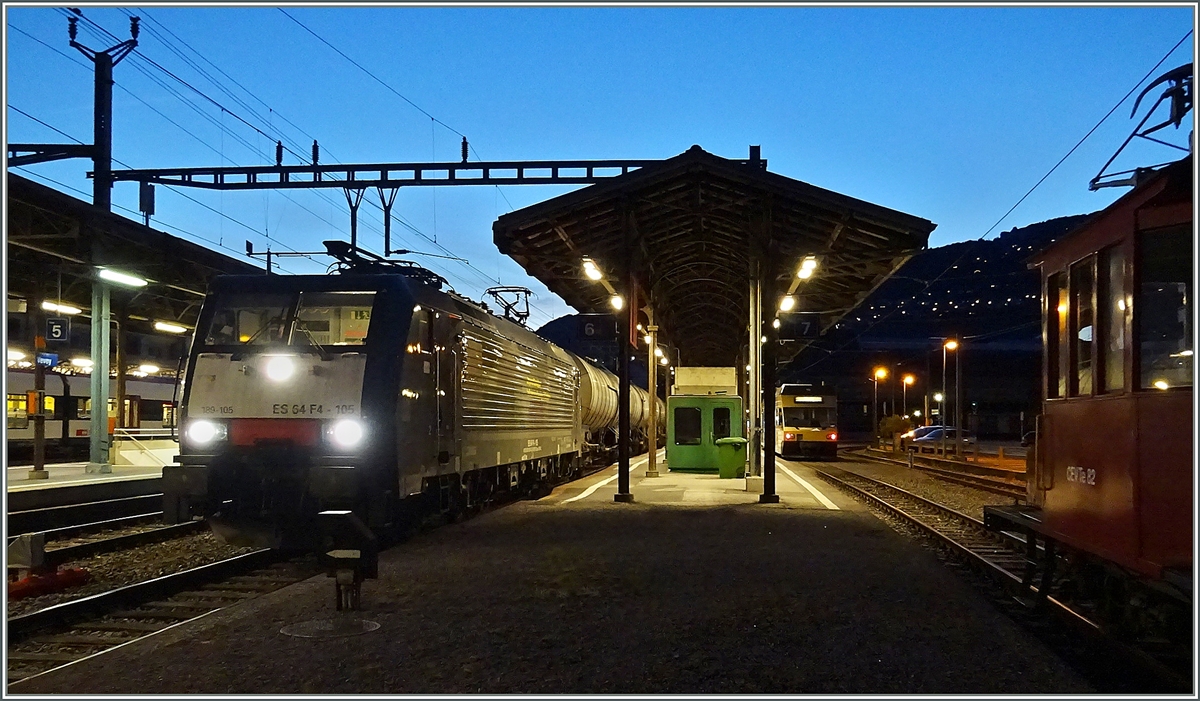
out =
column 787, row 304
column 617, row 302
column 122, row 278
column 148, row 369
column 60, row 308
column 169, row 328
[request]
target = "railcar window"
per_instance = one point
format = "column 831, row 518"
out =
column 250, row 319
column 809, row 417
column 17, row 415
column 1164, row 308
column 687, row 425
column 721, row 422
column 1115, row 312
column 1082, row 325
column 1056, row 331
column 333, row 318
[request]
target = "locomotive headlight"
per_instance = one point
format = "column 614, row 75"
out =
column 205, row 432
column 280, row 368
column 346, row 433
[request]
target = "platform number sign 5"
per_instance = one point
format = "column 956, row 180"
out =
column 58, row 329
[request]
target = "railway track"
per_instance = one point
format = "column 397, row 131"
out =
column 52, row 518
column 54, row 637
column 995, row 485
column 1024, row 588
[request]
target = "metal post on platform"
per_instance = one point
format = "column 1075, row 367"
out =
column 39, row 389
column 754, row 469
column 627, row 315
column 98, row 433
column 768, row 495
column 652, row 387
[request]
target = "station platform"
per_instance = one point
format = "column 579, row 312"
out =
column 693, row 588
column 73, row 474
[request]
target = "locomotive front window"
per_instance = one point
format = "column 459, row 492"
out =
column 250, row 320
column 307, row 319
column 1164, row 308
column 333, row 318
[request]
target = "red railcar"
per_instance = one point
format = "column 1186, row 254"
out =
column 1111, row 476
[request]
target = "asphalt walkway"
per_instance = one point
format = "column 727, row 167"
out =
column 693, row 588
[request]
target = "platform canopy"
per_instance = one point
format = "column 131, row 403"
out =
column 54, row 238
column 688, row 230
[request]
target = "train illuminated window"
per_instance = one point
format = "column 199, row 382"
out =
column 687, row 425
column 1163, row 310
column 1115, row 312
column 721, row 422
column 1056, row 335
column 17, row 416
column 1082, row 326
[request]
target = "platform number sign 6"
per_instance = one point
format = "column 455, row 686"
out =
column 597, row 327
column 58, row 329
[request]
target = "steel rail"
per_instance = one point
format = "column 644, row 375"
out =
column 52, row 517
column 1144, row 663
column 92, row 526
column 987, row 484
column 22, row 627
column 58, row 556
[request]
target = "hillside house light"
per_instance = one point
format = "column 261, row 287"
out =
column 121, row 278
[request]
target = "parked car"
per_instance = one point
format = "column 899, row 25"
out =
column 933, row 439
column 917, row 432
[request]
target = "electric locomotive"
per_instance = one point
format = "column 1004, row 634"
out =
column 376, row 391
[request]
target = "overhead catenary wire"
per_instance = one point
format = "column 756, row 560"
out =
column 965, row 250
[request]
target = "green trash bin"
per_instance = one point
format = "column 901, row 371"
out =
column 731, row 457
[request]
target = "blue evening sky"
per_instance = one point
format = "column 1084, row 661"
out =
column 946, row 113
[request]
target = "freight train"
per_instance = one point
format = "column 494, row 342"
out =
column 1110, row 514
column 374, row 390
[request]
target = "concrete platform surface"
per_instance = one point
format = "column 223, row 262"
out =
column 69, row 474
column 691, row 589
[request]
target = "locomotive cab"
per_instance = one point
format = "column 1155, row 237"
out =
column 281, row 404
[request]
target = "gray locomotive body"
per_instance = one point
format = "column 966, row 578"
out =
column 377, row 393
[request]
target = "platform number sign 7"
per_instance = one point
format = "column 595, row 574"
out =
column 799, row 325
column 58, row 329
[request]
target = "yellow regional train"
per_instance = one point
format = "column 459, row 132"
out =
column 806, row 421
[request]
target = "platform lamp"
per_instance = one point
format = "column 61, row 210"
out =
column 908, row 380
column 877, row 376
column 99, row 442
column 949, row 345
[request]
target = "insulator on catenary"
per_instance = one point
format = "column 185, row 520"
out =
column 464, row 149
column 316, row 152
column 278, row 153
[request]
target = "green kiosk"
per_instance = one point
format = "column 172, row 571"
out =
column 704, row 430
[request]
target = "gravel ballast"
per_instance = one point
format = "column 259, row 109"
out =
column 130, row 566
column 965, row 500
column 595, row 597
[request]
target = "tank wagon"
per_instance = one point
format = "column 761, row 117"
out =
column 1111, row 470
column 376, row 391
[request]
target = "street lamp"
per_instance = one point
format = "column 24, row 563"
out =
column 948, row 345
column 908, row 380
column 879, row 374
